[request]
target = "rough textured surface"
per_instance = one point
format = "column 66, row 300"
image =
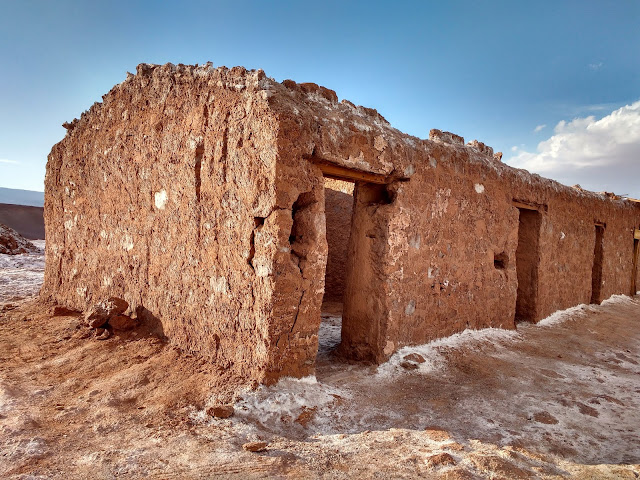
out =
column 197, row 194
column 12, row 243
column 133, row 406
column 103, row 311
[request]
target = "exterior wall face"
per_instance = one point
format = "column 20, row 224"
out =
column 447, row 278
column 299, row 259
column 440, row 255
column 163, row 195
column 198, row 195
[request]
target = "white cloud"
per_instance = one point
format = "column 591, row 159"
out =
column 539, row 127
column 598, row 154
column 595, row 66
column 514, row 148
column 4, row 160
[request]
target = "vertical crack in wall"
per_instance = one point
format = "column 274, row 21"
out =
column 258, row 222
column 198, row 184
column 223, row 149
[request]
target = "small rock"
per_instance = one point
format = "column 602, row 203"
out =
column 306, row 416
column 221, row 411
column 122, row 322
column 437, row 434
column 545, row 417
column 409, row 365
column 102, row 334
column 454, row 446
column 440, row 459
column 255, row 446
column 494, row 466
column 100, row 313
column 456, row 474
column 414, row 357
column 7, row 307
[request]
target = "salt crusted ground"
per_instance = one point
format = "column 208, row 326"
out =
column 556, row 400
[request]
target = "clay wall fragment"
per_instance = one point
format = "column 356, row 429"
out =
column 439, row 256
column 199, row 195
column 164, row 195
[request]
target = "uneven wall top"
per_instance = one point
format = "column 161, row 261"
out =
column 319, row 127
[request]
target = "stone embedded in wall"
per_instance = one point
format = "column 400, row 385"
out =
column 436, row 135
column 481, row 147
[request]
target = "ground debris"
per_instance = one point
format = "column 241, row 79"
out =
column 221, row 411
column 255, row 446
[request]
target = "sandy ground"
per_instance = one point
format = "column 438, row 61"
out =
column 555, row 400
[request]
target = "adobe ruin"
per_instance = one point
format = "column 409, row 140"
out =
column 210, row 200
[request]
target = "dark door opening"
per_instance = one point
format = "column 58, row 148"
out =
column 634, row 270
column 338, row 195
column 527, row 260
column 596, row 272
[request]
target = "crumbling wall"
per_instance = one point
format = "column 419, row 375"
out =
column 164, row 195
column 440, row 255
column 198, row 195
column 458, row 267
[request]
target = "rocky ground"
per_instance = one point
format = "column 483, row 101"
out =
column 12, row 243
column 555, row 400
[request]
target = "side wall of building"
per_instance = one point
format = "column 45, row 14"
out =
column 455, row 232
column 161, row 195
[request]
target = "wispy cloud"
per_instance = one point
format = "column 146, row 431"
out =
column 539, row 127
column 598, row 154
column 5, row 160
column 514, row 148
column 595, row 66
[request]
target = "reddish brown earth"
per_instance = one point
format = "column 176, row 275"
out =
column 12, row 243
column 197, row 195
column 560, row 400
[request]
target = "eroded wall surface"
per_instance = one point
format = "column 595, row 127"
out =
column 164, row 194
column 436, row 252
column 198, row 195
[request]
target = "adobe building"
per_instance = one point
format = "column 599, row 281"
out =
column 210, row 199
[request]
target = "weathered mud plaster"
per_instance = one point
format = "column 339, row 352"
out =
column 197, row 194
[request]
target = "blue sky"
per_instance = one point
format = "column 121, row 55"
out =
column 488, row 70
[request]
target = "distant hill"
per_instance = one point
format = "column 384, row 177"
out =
column 21, row 197
column 26, row 220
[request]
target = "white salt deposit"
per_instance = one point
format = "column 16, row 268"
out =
column 285, row 401
column 432, row 352
column 21, row 275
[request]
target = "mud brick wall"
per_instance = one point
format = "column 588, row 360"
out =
column 200, row 195
column 158, row 195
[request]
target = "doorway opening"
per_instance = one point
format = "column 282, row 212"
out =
column 338, row 197
column 596, row 272
column 527, row 260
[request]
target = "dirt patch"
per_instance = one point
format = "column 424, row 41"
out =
column 480, row 405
